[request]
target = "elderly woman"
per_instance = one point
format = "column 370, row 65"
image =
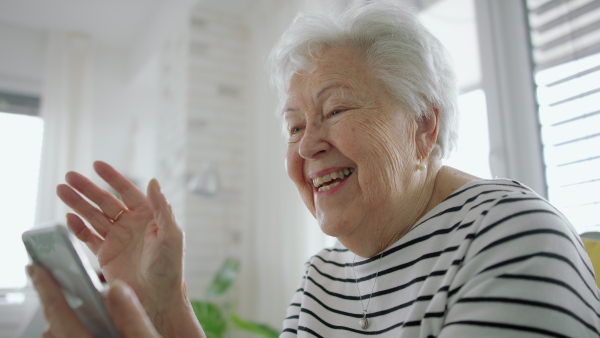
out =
column 424, row 250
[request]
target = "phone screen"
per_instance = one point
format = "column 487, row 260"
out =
column 56, row 249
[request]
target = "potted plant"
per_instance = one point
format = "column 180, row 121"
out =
column 216, row 315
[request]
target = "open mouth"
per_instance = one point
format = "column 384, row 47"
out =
column 330, row 180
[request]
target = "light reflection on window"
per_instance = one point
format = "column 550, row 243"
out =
column 20, row 151
column 472, row 153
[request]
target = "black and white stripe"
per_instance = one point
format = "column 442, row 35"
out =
column 493, row 260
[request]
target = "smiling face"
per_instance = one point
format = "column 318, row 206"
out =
column 352, row 151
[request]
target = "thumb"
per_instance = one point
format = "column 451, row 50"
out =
column 127, row 313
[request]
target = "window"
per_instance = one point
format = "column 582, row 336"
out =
column 472, row 148
column 20, row 149
column 453, row 22
column 565, row 38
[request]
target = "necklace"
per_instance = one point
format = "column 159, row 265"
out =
column 364, row 322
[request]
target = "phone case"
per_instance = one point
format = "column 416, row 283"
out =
column 60, row 253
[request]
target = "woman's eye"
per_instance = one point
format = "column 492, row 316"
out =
column 295, row 134
column 336, row 111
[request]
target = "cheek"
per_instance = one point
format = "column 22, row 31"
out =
column 387, row 155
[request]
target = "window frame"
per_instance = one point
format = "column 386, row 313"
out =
column 515, row 141
column 17, row 315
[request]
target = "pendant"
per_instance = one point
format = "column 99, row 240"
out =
column 364, row 322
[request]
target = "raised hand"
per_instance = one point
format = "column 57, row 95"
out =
column 136, row 240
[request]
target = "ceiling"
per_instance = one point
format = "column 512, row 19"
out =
column 115, row 22
column 120, row 22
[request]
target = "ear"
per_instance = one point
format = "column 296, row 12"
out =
column 427, row 133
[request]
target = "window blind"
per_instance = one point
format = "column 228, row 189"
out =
column 565, row 40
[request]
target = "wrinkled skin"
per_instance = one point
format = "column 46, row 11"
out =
column 340, row 116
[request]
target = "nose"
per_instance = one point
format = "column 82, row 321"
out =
column 314, row 142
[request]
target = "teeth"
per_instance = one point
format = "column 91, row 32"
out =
column 327, row 187
column 317, row 182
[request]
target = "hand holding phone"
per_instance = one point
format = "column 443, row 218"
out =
column 56, row 250
column 125, row 309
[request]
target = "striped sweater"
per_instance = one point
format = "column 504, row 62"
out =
column 492, row 260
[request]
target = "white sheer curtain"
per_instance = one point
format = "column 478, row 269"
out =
column 66, row 109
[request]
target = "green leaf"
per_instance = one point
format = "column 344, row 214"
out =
column 257, row 328
column 211, row 318
column 224, row 279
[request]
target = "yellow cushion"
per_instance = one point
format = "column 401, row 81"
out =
column 593, row 249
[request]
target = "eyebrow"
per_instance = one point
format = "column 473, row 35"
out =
column 328, row 87
column 288, row 110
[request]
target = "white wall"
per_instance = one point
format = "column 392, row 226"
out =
column 277, row 265
column 228, row 118
column 125, row 111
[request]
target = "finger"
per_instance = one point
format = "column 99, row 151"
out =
column 61, row 318
column 131, row 195
column 163, row 212
column 95, row 217
column 108, row 203
column 83, row 233
column 127, row 313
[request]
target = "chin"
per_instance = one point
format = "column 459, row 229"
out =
column 333, row 229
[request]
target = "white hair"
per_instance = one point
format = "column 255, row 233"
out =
column 409, row 60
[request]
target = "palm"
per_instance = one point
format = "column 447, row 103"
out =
column 128, row 246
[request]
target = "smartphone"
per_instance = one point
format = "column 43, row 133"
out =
column 56, row 249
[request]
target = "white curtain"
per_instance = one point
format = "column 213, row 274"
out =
column 66, row 109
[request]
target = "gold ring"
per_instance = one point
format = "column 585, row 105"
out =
column 117, row 217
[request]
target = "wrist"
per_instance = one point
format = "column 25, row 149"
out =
column 178, row 322
column 175, row 317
